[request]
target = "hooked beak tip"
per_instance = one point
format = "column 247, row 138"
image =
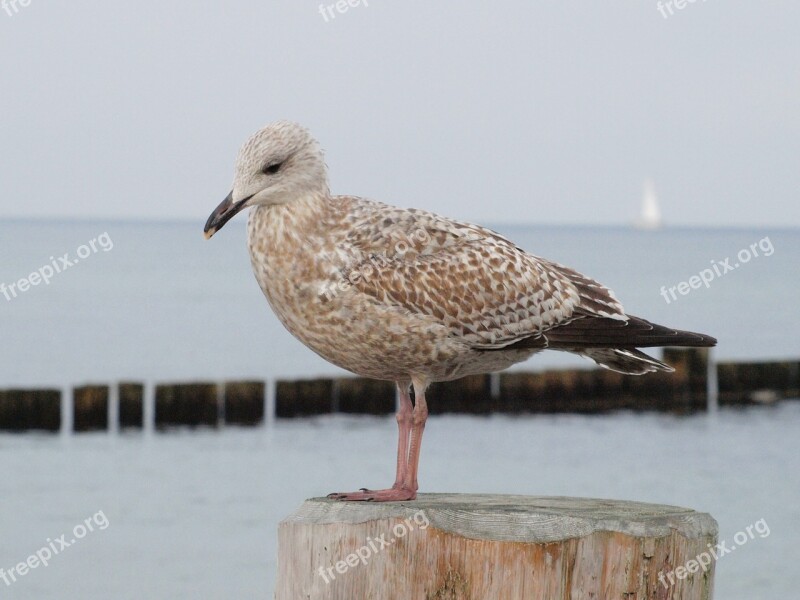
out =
column 222, row 214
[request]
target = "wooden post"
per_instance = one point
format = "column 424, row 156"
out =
column 131, row 405
column 468, row 395
column 357, row 395
column 691, row 367
column 24, row 410
column 192, row 404
column 756, row 383
column 90, row 408
column 465, row 546
column 303, row 398
column 244, row 403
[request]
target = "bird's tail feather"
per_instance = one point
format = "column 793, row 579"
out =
column 624, row 360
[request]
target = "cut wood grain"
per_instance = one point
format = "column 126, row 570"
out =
column 487, row 547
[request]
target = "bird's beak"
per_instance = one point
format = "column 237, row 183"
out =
column 222, row 214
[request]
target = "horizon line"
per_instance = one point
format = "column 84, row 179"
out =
column 493, row 224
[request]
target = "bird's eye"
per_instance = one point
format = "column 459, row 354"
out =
column 271, row 169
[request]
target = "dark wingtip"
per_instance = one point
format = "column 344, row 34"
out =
column 707, row 340
column 604, row 332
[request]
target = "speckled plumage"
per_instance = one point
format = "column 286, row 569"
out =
column 390, row 293
column 410, row 296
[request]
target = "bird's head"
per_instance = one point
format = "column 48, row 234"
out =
column 278, row 164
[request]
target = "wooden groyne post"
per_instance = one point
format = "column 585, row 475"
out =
column 192, row 405
column 244, row 403
column 131, row 405
column 466, row 547
column 90, row 408
column 27, row 410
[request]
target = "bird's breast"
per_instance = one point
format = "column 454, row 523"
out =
column 296, row 268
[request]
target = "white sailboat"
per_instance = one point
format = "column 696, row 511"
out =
column 650, row 216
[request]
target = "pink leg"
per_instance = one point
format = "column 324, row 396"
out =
column 406, row 426
column 404, row 432
column 419, row 417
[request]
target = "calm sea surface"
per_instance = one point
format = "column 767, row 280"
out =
column 194, row 514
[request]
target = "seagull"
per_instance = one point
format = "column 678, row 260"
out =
column 411, row 297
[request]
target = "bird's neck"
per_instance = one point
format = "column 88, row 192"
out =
column 283, row 225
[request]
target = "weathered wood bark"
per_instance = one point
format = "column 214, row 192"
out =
column 482, row 547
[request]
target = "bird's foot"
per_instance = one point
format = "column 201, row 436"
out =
column 393, row 494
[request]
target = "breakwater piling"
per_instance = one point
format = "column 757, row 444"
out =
column 697, row 384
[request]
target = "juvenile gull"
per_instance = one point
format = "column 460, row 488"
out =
column 411, row 297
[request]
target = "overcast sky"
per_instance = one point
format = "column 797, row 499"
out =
column 513, row 111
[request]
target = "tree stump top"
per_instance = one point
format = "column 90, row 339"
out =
column 509, row 518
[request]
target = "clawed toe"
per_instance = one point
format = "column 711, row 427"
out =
column 367, row 495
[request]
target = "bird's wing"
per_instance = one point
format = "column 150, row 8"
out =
column 482, row 287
